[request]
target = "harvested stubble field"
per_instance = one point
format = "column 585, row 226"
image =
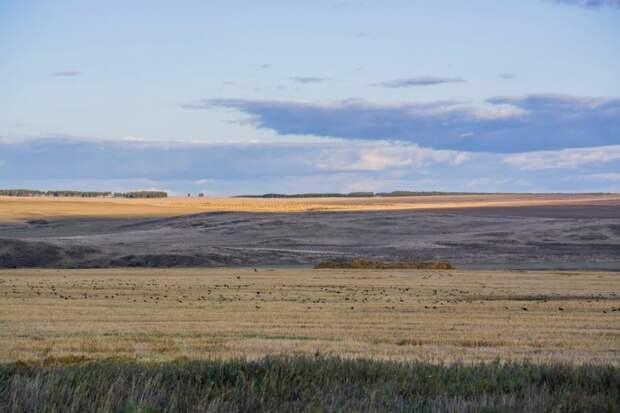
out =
column 417, row 315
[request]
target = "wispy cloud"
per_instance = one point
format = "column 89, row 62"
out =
column 558, row 102
column 503, row 124
column 420, row 81
column 67, row 73
column 564, row 159
column 605, row 177
column 308, row 79
column 590, row 4
column 508, row 76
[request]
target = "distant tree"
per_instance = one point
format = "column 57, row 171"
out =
column 21, row 192
column 141, row 194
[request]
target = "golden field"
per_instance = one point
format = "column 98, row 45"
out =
column 21, row 208
column 437, row 316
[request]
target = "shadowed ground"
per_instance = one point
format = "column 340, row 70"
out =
column 539, row 236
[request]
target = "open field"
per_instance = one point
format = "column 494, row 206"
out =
column 22, row 208
column 433, row 316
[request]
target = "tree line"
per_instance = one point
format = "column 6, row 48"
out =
column 84, row 194
column 358, row 194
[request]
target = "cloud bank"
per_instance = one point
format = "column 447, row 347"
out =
column 114, row 159
column 330, row 166
column 504, row 124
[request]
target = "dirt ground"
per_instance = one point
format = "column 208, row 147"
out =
column 438, row 316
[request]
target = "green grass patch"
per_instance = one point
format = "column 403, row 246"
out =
column 305, row 384
column 385, row 265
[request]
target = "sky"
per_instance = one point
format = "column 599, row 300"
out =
column 248, row 97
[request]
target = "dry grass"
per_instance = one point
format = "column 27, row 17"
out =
column 433, row 316
column 20, row 208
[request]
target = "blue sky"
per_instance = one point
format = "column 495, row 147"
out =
column 228, row 97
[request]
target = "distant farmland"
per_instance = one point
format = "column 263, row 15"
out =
column 22, row 208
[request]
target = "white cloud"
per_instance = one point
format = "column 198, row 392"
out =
column 565, row 158
column 381, row 156
column 500, row 112
column 605, row 177
column 459, row 158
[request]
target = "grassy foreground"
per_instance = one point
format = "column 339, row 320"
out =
column 307, row 384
